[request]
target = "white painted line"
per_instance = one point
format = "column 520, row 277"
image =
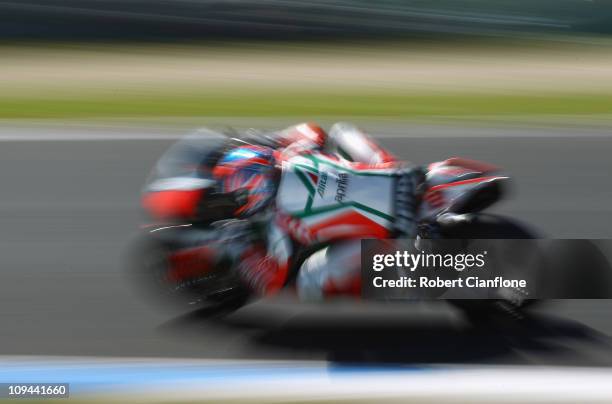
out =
column 390, row 131
column 82, row 137
column 266, row 381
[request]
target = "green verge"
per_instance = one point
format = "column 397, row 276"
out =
column 147, row 399
column 302, row 104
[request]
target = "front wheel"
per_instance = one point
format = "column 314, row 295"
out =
column 148, row 270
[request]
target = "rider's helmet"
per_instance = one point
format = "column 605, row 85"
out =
column 250, row 169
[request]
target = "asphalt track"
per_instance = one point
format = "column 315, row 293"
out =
column 69, row 207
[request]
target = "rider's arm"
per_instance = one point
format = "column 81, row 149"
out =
column 305, row 133
column 300, row 139
column 355, row 146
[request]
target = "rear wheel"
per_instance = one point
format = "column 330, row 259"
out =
column 484, row 226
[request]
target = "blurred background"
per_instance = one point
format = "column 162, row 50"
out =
column 394, row 59
column 280, row 19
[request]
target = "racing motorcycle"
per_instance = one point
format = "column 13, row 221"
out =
column 454, row 197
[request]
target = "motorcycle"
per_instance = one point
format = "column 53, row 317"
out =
column 454, row 197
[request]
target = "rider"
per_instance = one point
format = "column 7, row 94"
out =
column 258, row 180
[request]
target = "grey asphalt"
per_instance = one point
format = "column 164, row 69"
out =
column 68, row 209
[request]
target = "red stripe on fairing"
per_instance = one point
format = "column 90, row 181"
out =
column 360, row 225
column 434, row 198
column 471, row 164
column 173, row 203
column 313, row 177
column 373, row 167
column 463, row 182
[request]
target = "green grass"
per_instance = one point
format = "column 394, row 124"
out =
column 480, row 79
column 303, row 104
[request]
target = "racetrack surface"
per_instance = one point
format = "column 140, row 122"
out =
column 69, row 208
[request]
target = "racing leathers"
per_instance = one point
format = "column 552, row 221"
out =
column 334, row 190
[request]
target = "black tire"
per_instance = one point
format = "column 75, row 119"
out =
column 582, row 270
column 147, row 269
column 486, row 226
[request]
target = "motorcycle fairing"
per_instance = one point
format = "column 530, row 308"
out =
column 330, row 199
column 460, row 185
